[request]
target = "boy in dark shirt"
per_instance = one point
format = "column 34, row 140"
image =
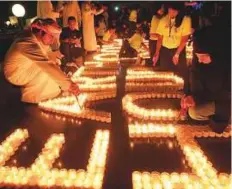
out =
column 70, row 39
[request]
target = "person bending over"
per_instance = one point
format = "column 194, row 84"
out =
column 27, row 64
column 210, row 97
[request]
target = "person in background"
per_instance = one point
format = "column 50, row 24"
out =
column 27, row 64
column 101, row 27
column 45, row 10
column 70, row 39
column 88, row 13
column 105, row 14
column 109, row 36
column 153, row 35
column 174, row 30
column 133, row 19
column 210, row 96
column 71, row 8
column 132, row 46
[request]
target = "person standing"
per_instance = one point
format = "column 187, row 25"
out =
column 174, row 30
column 153, row 35
column 45, row 10
column 88, row 13
column 71, row 8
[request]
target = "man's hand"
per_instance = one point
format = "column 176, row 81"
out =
column 74, row 89
column 175, row 59
column 187, row 101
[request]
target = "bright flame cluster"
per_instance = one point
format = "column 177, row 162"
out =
column 32, row 177
column 203, row 176
column 144, row 79
column 11, row 144
column 148, row 114
column 107, row 57
column 138, row 130
column 50, row 152
column 69, row 106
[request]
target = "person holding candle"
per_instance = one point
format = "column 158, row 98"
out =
column 173, row 30
column 27, row 64
column 210, row 96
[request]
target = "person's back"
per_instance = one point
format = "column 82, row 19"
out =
column 27, row 64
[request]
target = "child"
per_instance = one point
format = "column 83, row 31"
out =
column 131, row 47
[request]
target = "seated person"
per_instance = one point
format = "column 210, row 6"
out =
column 70, row 39
column 108, row 36
column 27, row 64
column 210, row 97
column 132, row 46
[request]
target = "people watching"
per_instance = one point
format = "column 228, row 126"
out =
column 174, row 30
column 27, row 64
column 70, row 39
column 210, row 95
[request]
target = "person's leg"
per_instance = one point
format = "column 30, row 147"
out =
column 202, row 112
column 166, row 63
column 65, row 50
column 183, row 71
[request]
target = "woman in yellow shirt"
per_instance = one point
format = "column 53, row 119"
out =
column 154, row 25
column 174, row 30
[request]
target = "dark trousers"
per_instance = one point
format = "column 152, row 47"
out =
column 152, row 49
column 71, row 52
column 181, row 69
column 127, row 50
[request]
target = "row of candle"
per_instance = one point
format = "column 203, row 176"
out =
column 137, row 96
column 153, row 77
column 158, row 87
column 101, row 95
column 165, row 180
column 212, row 134
column 107, row 57
column 92, row 178
column 83, row 113
column 49, row 153
column 11, row 144
column 97, row 87
column 89, row 80
column 93, row 64
column 151, row 130
column 100, row 73
column 61, row 118
column 148, row 114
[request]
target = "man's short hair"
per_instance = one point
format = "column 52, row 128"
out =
column 71, row 18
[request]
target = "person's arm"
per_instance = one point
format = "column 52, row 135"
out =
column 32, row 51
column 183, row 42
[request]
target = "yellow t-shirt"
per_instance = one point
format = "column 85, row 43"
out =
column 136, row 41
column 154, row 26
column 133, row 16
column 106, row 36
column 171, row 34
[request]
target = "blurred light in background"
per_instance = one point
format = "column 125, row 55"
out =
column 18, row 10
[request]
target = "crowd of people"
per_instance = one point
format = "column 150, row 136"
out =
column 74, row 32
